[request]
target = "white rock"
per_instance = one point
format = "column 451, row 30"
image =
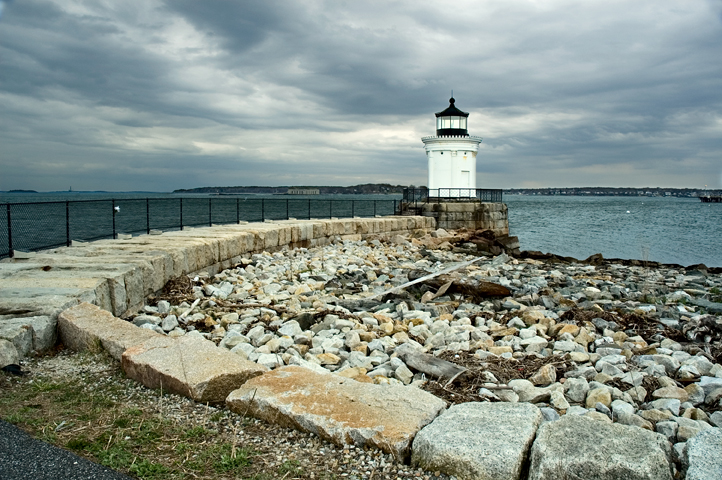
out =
column 576, row 389
column 270, row 360
column 8, row 353
column 710, row 383
column 478, row 440
column 169, row 323
column 243, row 349
column 580, row 447
column 620, row 407
column 704, row 456
column 558, row 401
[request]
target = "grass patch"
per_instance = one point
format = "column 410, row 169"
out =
column 715, row 295
column 89, row 414
column 291, row 468
column 196, row 432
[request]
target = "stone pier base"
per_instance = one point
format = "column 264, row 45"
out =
column 472, row 215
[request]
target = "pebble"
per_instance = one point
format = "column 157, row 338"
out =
column 322, row 307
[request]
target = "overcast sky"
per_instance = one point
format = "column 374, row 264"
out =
column 151, row 95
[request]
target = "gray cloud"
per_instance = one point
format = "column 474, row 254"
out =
column 159, row 95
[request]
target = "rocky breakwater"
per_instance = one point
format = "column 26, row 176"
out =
column 551, row 370
column 117, row 275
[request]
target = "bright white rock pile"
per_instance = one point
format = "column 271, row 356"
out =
column 320, row 308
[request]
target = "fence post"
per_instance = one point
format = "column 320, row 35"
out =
column 353, row 208
column 309, row 209
column 210, row 212
column 147, row 215
column 374, row 208
column 67, row 222
column 394, row 206
column 10, row 233
column 330, row 209
column 181, row 213
column 113, row 204
column 263, row 209
column 287, row 216
column 238, row 210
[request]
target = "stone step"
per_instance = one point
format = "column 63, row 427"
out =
column 189, row 366
column 478, row 440
column 579, row 447
column 338, row 409
column 86, row 327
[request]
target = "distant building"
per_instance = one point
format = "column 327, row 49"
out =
column 451, row 153
column 303, row 191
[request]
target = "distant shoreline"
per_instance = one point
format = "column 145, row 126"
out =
column 365, row 189
column 370, row 189
column 387, row 189
column 614, row 192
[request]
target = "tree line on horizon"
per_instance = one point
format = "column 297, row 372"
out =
column 364, row 189
column 385, row 188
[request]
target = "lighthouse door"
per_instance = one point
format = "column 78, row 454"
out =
column 465, row 179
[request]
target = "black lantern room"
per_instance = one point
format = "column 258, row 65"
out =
column 451, row 121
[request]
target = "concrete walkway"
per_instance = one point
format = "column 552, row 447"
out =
column 117, row 275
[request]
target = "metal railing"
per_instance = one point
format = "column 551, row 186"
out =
column 436, row 195
column 41, row 225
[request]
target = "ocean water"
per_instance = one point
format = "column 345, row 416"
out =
column 664, row 229
column 40, row 221
column 684, row 231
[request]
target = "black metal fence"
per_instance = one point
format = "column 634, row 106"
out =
column 434, row 195
column 41, row 225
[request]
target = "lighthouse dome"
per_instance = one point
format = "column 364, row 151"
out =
column 452, row 121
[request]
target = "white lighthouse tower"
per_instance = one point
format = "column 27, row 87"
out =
column 452, row 155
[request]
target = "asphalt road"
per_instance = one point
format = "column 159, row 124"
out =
column 23, row 457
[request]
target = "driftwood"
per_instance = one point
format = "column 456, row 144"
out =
column 433, row 366
column 426, row 275
column 190, row 309
column 467, row 286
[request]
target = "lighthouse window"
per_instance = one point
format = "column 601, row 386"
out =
column 462, row 122
column 454, row 122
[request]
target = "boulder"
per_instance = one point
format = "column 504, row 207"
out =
column 704, row 455
column 30, row 333
column 20, row 335
column 478, row 440
column 579, row 447
column 671, row 392
column 546, row 375
column 88, row 327
column 710, row 383
column 601, row 395
column 189, row 366
column 8, row 353
column 338, row 409
column 529, row 393
column 576, row 389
